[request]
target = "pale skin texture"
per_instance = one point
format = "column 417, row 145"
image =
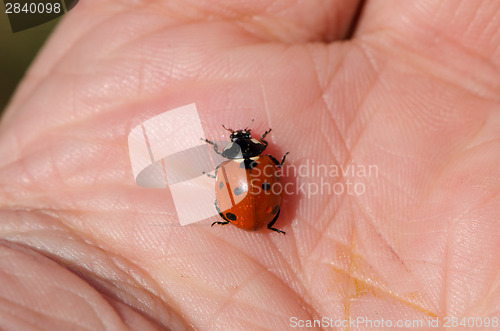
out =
column 414, row 90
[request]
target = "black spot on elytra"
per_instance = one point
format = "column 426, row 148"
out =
column 239, row 190
column 231, row 216
column 221, row 185
column 248, row 164
column 276, row 209
column 266, row 186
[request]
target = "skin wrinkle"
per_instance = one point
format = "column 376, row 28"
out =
column 122, row 47
column 327, row 225
column 90, row 277
column 69, row 289
column 86, row 272
column 34, row 325
column 450, row 231
column 239, row 288
column 351, row 150
column 140, row 310
column 439, row 175
column 47, row 211
column 476, row 134
column 337, row 131
column 473, row 19
column 326, row 136
column 10, row 312
column 52, row 130
column 310, row 309
column 472, row 22
column 398, row 188
column 249, row 23
column 456, row 222
column 417, row 60
column 149, row 319
column 32, row 178
column 227, row 299
column 472, row 310
column 327, row 110
column 40, row 134
column 392, row 250
column 382, row 289
column 378, row 74
column 494, row 18
column 371, row 221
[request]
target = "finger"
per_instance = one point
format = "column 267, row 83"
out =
column 281, row 20
column 456, row 41
column 472, row 25
column 285, row 21
column 117, row 53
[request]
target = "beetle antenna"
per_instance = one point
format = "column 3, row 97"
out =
column 230, row 130
column 248, row 127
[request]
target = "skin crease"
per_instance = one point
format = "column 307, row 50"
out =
column 414, row 90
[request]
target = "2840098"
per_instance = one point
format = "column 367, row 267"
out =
column 32, row 8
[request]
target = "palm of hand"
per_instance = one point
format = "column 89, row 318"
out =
column 413, row 98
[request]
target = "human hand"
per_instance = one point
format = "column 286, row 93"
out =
column 413, row 92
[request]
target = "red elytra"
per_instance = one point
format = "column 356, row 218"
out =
column 247, row 187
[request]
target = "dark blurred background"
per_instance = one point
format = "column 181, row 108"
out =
column 17, row 51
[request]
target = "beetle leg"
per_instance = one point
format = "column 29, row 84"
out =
column 278, row 163
column 263, row 136
column 221, row 223
column 283, row 159
column 212, row 176
column 228, row 129
column 216, row 149
column 209, row 175
column 221, row 215
column 270, row 225
column 273, row 159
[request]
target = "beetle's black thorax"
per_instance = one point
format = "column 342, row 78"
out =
column 243, row 149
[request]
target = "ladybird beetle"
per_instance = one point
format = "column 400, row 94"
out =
column 248, row 192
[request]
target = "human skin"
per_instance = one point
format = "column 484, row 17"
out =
column 411, row 87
